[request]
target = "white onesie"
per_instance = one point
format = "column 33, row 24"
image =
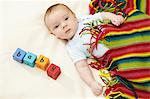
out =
column 75, row 46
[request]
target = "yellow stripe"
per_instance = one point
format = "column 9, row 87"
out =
column 130, row 97
column 141, row 87
column 128, row 32
column 137, row 17
column 134, row 4
column 126, row 42
column 120, row 94
column 132, row 11
column 132, row 54
column 140, row 80
column 128, row 55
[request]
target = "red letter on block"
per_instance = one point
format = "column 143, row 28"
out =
column 53, row 71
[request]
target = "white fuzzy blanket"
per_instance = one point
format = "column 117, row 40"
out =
column 22, row 26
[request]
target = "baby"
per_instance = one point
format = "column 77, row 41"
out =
column 63, row 23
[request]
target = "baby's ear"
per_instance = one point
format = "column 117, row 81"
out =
column 51, row 33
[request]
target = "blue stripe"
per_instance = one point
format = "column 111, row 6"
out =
column 142, row 83
column 138, row 4
column 127, row 36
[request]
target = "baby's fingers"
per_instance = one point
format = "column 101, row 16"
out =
column 100, row 88
column 116, row 23
column 97, row 92
column 121, row 18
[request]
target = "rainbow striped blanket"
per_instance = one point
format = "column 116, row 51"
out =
column 125, row 68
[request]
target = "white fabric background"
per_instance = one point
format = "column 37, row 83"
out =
column 22, row 26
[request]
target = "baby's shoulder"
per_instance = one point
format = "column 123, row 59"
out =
column 75, row 41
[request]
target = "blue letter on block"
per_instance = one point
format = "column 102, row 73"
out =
column 19, row 55
column 29, row 59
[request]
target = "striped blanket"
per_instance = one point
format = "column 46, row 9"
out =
column 119, row 6
column 125, row 68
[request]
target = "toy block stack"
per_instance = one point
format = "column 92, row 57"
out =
column 41, row 62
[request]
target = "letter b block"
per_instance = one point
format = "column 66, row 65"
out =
column 42, row 62
column 53, row 71
column 19, row 55
column 29, row 59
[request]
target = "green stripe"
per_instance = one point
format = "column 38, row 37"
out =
column 125, row 42
column 145, row 88
column 143, row 6
column 127, row 36
column 137, row 17
column 131, row 62
column 133, row 65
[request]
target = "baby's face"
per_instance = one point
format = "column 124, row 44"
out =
column 62, row 22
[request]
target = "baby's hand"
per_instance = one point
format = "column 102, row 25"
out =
column 96, row 88
column 117, row 20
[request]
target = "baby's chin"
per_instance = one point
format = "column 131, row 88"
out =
column 71, row 36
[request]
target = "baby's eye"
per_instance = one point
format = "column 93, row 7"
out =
column 66, row 18
column 56, row 26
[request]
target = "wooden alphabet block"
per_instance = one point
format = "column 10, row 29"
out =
column 19, row 55
column 42, row 62
column 53, row 71
column 30, row 59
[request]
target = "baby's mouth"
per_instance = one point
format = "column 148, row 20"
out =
column 68, row 31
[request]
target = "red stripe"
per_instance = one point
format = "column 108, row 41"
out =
column 129, row 6
column 130, row 3
column 148, row 7
column 128, row 10
column 135, row 74
column 128, row 26
column 136, row 48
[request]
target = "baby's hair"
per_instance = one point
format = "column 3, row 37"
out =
column 48, row 11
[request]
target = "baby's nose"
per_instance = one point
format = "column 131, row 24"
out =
column 64, row 25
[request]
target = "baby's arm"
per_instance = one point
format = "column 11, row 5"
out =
column 115, row 19
column 87, row 76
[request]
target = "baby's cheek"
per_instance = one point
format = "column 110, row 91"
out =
column 62, row 36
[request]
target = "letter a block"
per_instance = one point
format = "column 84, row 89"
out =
column 53, row 71
column 29, row 59
column 19, row 55
column 42, row 62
